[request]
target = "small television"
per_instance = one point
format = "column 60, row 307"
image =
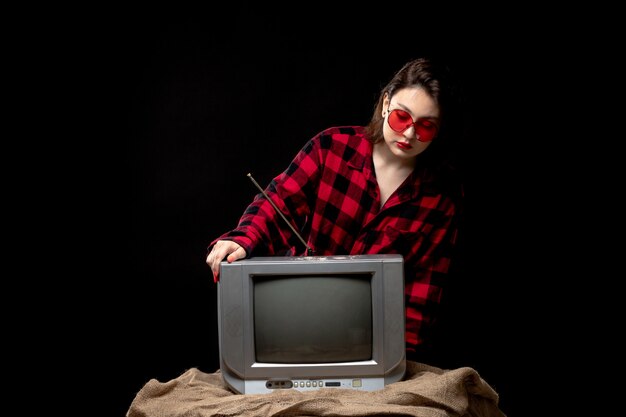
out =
column 311, row 322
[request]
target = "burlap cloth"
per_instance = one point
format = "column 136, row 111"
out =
column 424, row 391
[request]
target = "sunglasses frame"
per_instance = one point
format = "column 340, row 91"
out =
column 419, row 128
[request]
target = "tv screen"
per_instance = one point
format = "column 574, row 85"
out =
column 311, row 322
column 304, row 319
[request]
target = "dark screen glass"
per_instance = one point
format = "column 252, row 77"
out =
column 311, row 319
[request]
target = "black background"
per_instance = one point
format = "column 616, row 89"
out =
column 193, row 104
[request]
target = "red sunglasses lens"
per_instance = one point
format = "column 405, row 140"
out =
column 399, row 121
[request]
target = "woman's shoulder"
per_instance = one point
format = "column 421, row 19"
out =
column 346, row 143
column 352, row 136
column 344, row 130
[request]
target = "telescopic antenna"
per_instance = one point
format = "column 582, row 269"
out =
column 309, row 251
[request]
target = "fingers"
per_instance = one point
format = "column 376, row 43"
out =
column 238, row 253
column 223, row 249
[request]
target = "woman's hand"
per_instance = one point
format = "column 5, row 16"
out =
column 223, row 249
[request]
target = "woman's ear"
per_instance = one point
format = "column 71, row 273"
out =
column 386, row 102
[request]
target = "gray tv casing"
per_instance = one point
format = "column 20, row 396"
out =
column 244, row 375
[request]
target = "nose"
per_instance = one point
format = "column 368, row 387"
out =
column 410, row 132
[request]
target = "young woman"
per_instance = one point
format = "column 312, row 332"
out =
column 388, row 187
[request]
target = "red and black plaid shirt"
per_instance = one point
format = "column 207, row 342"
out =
column 329, row 193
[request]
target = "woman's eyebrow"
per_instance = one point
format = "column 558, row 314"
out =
column 405, row 108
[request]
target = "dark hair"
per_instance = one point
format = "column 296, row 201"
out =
column 437, row 80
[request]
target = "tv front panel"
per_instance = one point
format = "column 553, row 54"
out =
column 339, row 284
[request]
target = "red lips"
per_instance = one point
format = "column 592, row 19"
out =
column 404, row 145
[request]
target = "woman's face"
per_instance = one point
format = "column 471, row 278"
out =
column 418, row 115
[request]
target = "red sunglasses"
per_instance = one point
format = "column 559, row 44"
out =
column 399, row 121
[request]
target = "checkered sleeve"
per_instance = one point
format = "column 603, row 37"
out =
column 261, row 229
